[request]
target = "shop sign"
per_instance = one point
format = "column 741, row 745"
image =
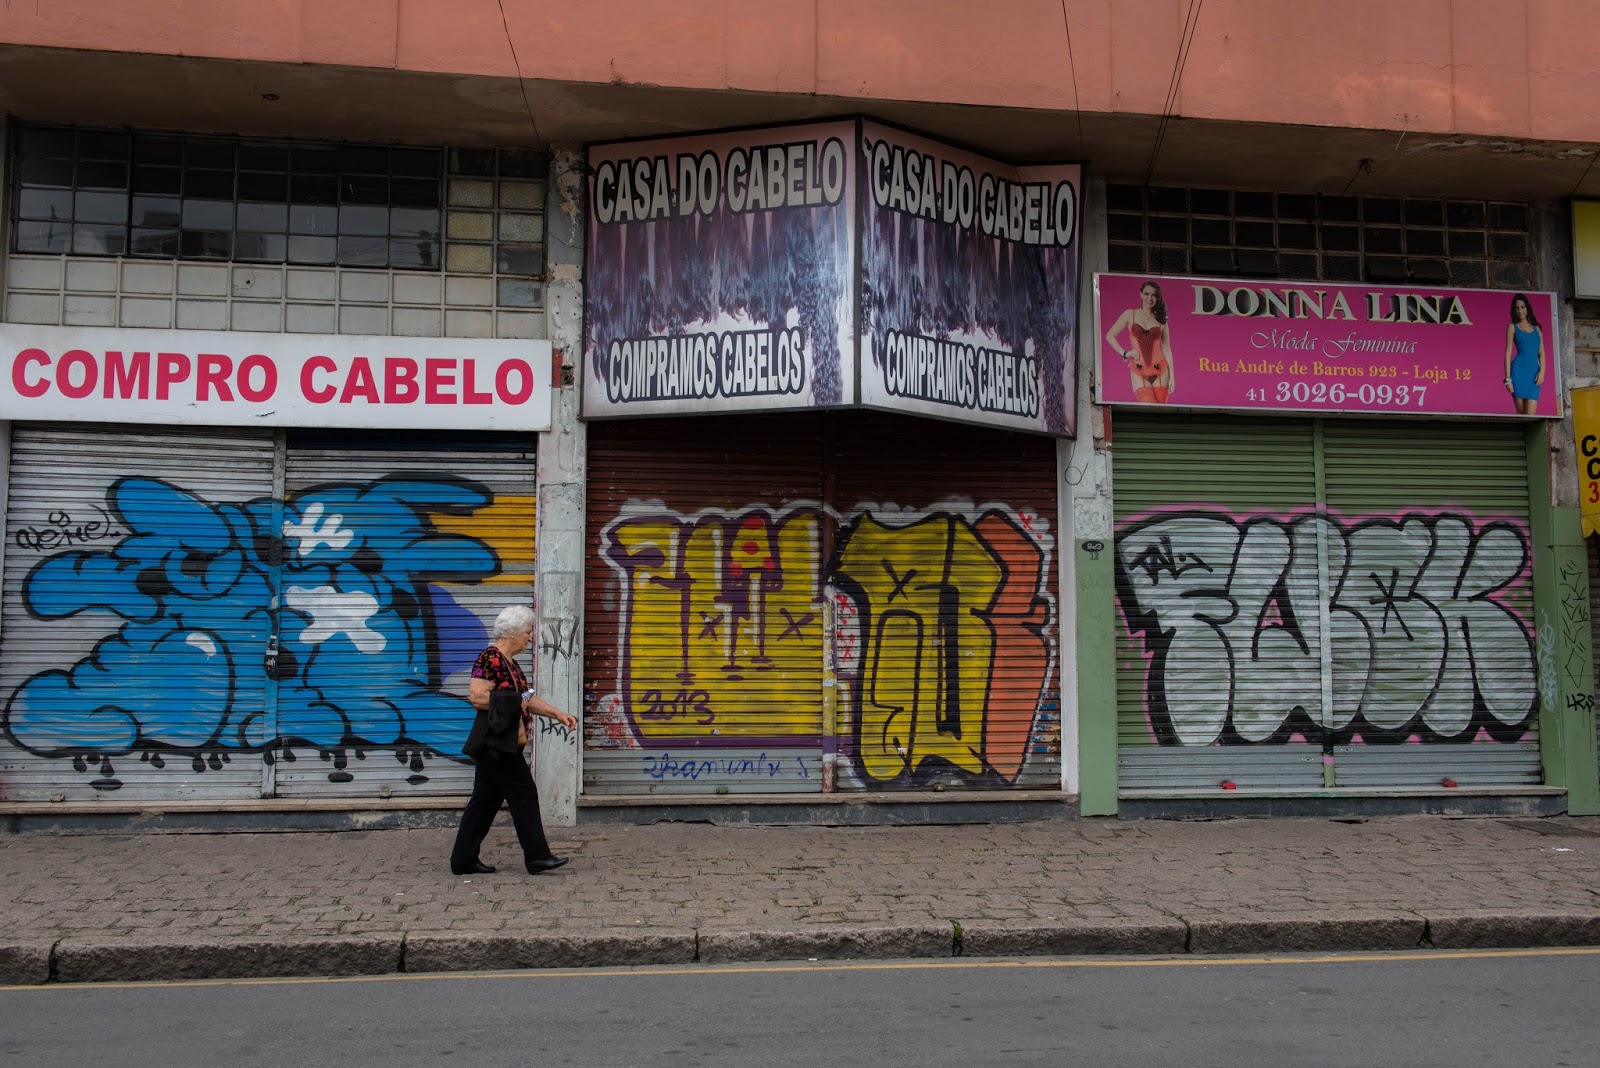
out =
column 826, row 265
column 194, row 377
column 1586, row 429
column 1315, row 347
column 720, row 273
column 969, row 281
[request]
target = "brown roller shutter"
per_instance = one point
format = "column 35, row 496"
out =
column 768, row 596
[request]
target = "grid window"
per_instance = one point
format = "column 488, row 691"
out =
column 1390, row 240
column 81, row 191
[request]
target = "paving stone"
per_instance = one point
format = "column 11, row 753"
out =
column 1068, row 939
column 828, row 943
column 1305, row 932
column 1513, row 929
column 467, row 953
column 22, row 963
column 89, row 960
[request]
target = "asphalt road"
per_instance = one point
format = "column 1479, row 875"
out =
column 1503, row 1008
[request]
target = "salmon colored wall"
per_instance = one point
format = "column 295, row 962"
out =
column 1513, row 68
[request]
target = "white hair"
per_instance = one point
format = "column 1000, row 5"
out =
column 513, row 619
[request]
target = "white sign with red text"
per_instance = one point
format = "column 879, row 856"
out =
column 238, row 379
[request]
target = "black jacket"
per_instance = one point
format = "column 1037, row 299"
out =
column 495, row 727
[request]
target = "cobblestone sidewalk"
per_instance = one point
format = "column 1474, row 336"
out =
column 148, row 906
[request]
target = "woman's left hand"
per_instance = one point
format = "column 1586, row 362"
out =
column 566, row 719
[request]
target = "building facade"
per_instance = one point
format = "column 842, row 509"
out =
column 1197, row 459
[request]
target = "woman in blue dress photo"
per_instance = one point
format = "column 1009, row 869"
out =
column 1524, row 356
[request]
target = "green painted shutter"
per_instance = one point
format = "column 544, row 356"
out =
column 1218, row 628
column 1431, row 627
column 1308, row 603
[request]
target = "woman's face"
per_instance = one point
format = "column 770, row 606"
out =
column 521, row 639
column 1519, row 308
column 1147, row 297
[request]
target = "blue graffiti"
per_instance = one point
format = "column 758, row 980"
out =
column 360, row 624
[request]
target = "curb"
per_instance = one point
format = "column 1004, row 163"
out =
column 77, row 959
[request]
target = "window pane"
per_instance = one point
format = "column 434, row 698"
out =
column 44, row 204
column 358, row 159
column 157, row 211
column 1259, row 204
column 529, row 196
column 313, row 219
column 271, row 187
column 520, row 259
column 1210, row 201
column 314, row 189
column 362, row 220
column 517, row 293
column 101, row 207
column 210, row 185
column 479, row 161
column 314, row 160
column 208, row 214
column 157, row 150
column 102, row 175
column 1381, row 239
column 272, row 248
column 364, row 190
column 206, row 244
column 97, row 144
column 412, row 222
column 97, row 240
column 1425, row 242
column 1254, row 234
column 263, row 158
column 1508, row 245
column 37, row 171
column 479, row 226
column 155, row 243
column 1465, row 213
column 522, row 163
column 1470, row 243
column 312, row 249
column 420, row 253
column 416, row 162
column 44, row 236
column 363, row 251
column 217, row 155
column 44, row 142
column 157, row 180
column 263, row 217
column 414, row 192
column 526, row 228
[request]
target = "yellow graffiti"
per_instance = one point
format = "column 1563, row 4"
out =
column 723, row 618
column 928, row 649
column 507, row 527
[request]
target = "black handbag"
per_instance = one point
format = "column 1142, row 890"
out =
column 495, row 728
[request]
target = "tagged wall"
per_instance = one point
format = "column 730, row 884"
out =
column 146, row 653
column 793, row 646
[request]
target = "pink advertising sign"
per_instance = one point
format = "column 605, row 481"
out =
column 1254, row 345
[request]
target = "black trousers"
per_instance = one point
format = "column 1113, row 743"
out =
column 500, row 777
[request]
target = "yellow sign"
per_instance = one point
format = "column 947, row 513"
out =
column 1586, row 427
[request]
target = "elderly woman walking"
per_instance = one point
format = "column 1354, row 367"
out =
column 506, row 706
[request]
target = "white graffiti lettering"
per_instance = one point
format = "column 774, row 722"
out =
column 1420, row 639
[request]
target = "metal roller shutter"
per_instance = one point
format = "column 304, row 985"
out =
column 1432, row 605
column 704, row 618
column 398, row 553
column 136, row 582
column 1219, row 627
column 944, row 592
column 1310, row 603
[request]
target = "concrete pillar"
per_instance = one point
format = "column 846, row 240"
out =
column 562, row 467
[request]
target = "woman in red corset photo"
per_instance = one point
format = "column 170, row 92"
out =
column 1148, row 353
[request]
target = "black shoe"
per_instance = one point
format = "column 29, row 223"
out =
column 477, row 867
column 545, row 864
